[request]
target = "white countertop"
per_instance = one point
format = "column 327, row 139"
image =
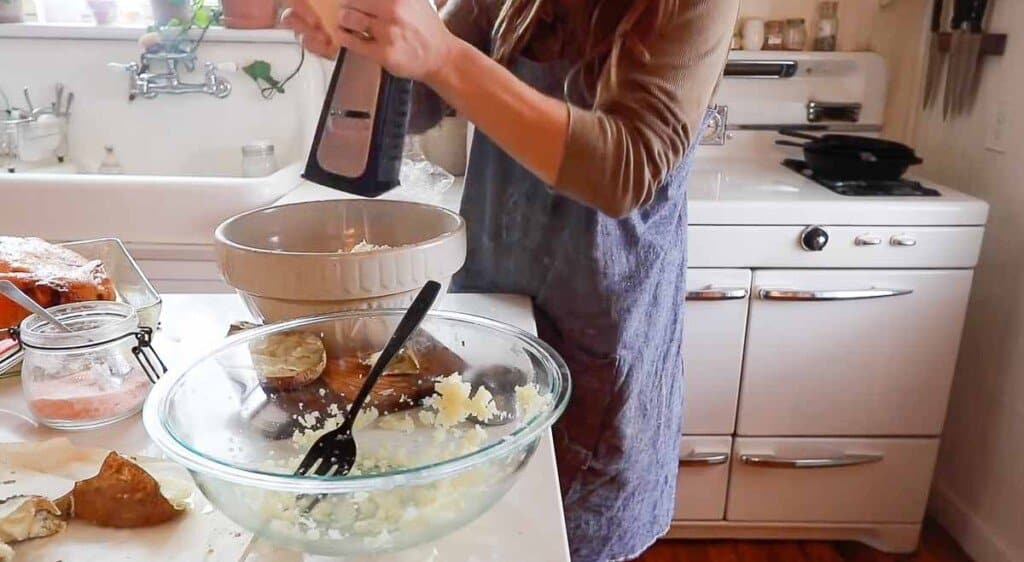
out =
column 762, row 192
column 527, row 521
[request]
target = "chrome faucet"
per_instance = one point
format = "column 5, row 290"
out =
column 148, row 84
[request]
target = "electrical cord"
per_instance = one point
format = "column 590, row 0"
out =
column 268, row 91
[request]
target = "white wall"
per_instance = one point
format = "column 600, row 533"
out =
column 979, row 486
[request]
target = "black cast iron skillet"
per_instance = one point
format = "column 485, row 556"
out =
column 850, row 157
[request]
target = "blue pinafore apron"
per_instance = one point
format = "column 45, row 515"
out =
column 608, row 295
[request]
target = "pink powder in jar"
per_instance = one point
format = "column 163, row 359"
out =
column 81, row 396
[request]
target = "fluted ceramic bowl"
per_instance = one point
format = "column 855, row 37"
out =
column 215, row 418
column 295, row 260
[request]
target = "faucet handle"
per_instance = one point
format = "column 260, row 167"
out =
column 129, row 67
column 222, row 66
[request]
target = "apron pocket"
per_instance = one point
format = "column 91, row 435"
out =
column 580, row 429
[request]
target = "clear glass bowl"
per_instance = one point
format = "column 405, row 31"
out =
column 236, row 435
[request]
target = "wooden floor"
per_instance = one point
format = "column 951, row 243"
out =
column 936, row 546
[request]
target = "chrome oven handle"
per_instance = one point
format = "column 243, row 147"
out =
column 703, row 459
column 774, row 461
column 830, row 295
column 711, row 293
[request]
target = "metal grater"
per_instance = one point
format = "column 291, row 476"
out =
column 359, row 138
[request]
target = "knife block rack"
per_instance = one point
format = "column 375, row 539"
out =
column 993, row 44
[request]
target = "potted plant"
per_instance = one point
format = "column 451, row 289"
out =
column 166, row 10
column 249, row 14
column 11, row 11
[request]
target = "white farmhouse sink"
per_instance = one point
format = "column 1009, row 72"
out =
column 181, row 154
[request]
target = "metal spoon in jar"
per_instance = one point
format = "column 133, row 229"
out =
column 11, row 291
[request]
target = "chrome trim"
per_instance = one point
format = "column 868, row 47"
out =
column 848, row 112
column 830, row 127
column 717, row 126
column 868, row 240
column 903, row 240
column 830, row 295
column 761, row 69
column 711, row 293
column 703, row 459
column 774, row 461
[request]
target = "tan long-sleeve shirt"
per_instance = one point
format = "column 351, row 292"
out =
column 619, row 152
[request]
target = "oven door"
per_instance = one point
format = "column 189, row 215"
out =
column 851, row 352
column 716, row 323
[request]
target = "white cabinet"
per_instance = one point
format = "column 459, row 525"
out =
column 703, row 477
column 716, row 318
column 854, row 352
column 830, row 480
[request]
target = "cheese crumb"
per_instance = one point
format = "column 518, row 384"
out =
column 454, row 404
column 395, row 422
column 529, row 401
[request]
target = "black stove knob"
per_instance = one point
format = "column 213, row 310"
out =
column 814, row 239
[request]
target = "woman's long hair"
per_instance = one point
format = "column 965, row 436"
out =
column 601, row 53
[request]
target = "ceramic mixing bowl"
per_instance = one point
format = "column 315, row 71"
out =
column 411, row 484
column 296, row 260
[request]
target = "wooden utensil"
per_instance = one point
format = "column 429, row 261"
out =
column 935, row 56
column 957, row 50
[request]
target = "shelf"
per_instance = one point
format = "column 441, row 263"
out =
column 991, row 43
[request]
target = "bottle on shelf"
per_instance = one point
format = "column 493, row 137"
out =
column 828, row 26
column 110, row 163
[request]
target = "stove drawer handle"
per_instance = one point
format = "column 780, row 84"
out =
column 773, row 461
column 835, row 295
column 718, row 294
column 703, row 459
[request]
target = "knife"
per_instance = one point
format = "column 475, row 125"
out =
column 972, row 58
column 935, row 57
column 956, row 55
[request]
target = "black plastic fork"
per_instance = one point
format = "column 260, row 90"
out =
column 334, row 453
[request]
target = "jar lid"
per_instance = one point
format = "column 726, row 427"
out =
column 91, row 322
column 258, row 148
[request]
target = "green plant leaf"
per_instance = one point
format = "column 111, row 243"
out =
column 259, row 70
column 202, row 17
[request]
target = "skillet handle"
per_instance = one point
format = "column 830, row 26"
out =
column 798, row 134
column 788, row 143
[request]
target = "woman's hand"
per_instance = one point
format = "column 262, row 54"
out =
column 304, row 23
column 407, row 37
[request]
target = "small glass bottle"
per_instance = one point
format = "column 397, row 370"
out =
column 258, row 160
column 774, row 33
column 110, row 163
column 796, row 35
column 828, row 26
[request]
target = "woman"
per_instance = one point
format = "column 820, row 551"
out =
column 587, row 114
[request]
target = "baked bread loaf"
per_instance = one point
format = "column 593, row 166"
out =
column 50, row 275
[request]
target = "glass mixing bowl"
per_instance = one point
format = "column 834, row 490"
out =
column 413, row 483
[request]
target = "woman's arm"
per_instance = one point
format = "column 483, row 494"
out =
column 620, row 153
column 469, row 20
column 466, row 19
column 526, row 124
column 409, row 40
column 612, row 157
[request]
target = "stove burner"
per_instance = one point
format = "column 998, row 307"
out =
column 863, row 188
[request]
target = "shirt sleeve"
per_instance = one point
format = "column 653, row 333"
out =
column 470, row 20
column 619, row 153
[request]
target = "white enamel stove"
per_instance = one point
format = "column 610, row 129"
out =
column 822, row 330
